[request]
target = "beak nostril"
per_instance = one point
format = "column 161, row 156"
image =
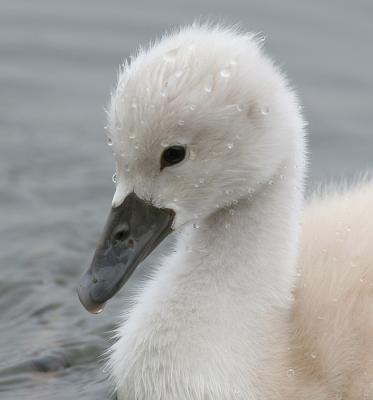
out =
column 121, row 235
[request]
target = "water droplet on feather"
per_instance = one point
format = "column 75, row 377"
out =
column 225, row 73
column 264, row 111
column 290, row 373
column 170, row 56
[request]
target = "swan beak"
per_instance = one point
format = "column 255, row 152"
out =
column 132, row 231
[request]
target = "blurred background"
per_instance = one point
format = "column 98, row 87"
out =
column 58, row 62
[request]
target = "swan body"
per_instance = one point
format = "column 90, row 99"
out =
column 241, row 309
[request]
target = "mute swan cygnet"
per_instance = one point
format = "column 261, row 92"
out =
column 209, row 141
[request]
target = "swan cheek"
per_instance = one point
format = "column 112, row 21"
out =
column 132, row 231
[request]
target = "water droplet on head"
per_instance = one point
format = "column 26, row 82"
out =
column 290, row 373
column 179, row 73
column 170, row 56
column 270, row 182
column 230, row 146
column 132, row 136
column 114, row 177
column 163, row 93
column 181, row 122
column 313, row 355
column 164, row 143
column 264, row 111
column 239, row 108
column 209, row 83
column 109, row 142
column 192, row 107
column 196, row 225
column 225, row 73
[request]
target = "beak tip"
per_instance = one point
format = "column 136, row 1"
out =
column 88, row 304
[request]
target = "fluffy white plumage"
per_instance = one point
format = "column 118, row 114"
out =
column 218, row 320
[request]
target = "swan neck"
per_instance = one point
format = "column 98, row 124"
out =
column 253, row 243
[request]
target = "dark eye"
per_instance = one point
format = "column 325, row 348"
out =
column 172, row 155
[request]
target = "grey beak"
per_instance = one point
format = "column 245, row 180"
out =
column 132, row 231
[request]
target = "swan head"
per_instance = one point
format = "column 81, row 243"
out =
column 201, row 119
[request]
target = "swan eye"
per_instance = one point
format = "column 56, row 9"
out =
column 172, row 155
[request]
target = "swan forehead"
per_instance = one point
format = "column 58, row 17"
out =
column 186, row 81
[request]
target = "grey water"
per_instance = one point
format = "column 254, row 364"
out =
column 58, row 62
